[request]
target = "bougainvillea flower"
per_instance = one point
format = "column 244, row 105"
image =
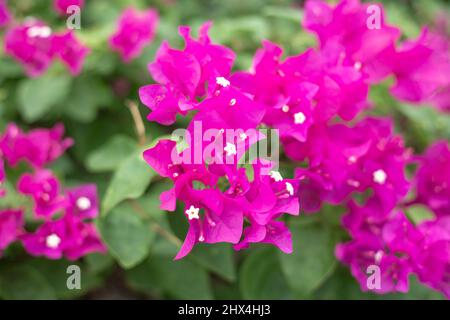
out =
column 11, row 226
column 44, row 188
column 135, row 30
column 363, row 252
column 365, row 42
column 215, row 60
column 5, row 16
column 84, row 238
column 66, row 237
column 36, row 46
column 70, row 51
column 221, row 219
column 433, row 261
column 31, row 45
column 433, row 178
column 421, row 68
column 38, row 147
column 185, row 74
column 61, row 6
column 82, row 201
column 354, row 159
column 275, row 233
column 49, row 240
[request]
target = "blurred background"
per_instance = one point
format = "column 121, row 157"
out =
column 142, row 239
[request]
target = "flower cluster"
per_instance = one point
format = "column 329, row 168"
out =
column 135, row 30
column 36, row 46
column 310, row 98
column 65, row 229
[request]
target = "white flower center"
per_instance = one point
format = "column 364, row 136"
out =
column 242, row 136
column 52, row 241
column 275, row 175
column 221, row 81
column 379, row 176
column 192, row 213
column 357, row 65
column 285, row 108
column 290, row 188
column 230, row 149
column 83, row 203
column 232, row 102
column 299, row 118
column 37, row 31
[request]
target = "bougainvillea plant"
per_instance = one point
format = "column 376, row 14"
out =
column 317, row 100
column 53, row 221
column 262, row 150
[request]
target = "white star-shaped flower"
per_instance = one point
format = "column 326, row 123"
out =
column 39, row 31
column 192, row 213
column 221, row 81
column 275, row 175
column 52, row 241
column 299, row 118
column 83, row 203
column 290, row 188
column 379, row 176
column 230, row 149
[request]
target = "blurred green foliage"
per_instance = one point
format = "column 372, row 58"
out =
column 142, row 239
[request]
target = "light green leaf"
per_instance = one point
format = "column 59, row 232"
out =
column 109, row 156
column 419, row 213
column 217, row 258
column 24, row 282
column 36, row 97
column 261, row 277
column 181, row 279
column 129, row 181
column 312, row 260
column 126, row 235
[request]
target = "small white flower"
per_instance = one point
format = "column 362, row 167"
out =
column 299, row 118
column 379, row 176
column 285, row 108
column 221, row 81
column 352, row 159
column 52, row 241
column 201, row 238
column 230, row 149
column 192, row 213
column 242, row 136
column 83, row 203
column 290, row 188
column 39, row 31
column 357, row 65
column 275, row 175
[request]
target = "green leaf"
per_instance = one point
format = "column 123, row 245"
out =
column 181, row 279
column 88, row 94
column 126, row 236
column 37, row 96
column 217, row 258
column 109, row 156
column 24, row 282
column 312, row 260
column 261, row 277
column 129, row 181
column 55, row 272
column 419, row 213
